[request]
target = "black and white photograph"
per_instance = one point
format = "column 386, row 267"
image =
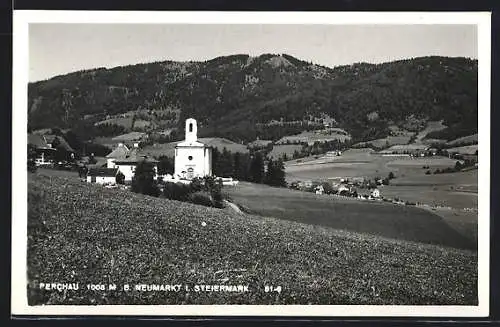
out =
column 243, row 163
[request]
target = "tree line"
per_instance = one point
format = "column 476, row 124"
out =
column 253, row 167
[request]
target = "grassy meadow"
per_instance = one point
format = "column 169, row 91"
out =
column 79, row 232
column 377, row 218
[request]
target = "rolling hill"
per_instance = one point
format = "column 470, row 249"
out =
column 237, row 96
column 88, row 234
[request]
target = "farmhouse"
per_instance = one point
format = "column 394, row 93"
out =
column 102, row 175
column 375, row 193
column 126, row 160
column 120, row 152
column 50, row 148
column 192, row 158
column 45, row 154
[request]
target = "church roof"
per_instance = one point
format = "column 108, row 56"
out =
column 192, row 144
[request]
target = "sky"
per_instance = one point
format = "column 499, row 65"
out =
column 56, row 49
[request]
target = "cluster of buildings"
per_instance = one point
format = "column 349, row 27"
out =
column 192, row 159
column 342, row 187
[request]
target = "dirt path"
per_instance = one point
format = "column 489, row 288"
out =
column 233, row 206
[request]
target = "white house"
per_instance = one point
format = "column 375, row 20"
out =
column 128, row 164
column 119, row 152
column 102, row 175
column 192, row 158
column 126, row 160
column 319, row 189
column 375, row 193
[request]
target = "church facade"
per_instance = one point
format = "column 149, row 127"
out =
column 192, row 158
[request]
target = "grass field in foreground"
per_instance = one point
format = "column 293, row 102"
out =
column 78, row 232
column 384, row 219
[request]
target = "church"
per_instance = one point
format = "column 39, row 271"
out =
column 192, row 158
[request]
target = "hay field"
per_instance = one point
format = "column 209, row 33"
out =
column 466, row 139
column 376, row 218
column 84, row 233
column 288, row 149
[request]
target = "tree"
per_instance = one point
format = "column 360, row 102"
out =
column 143, row 180
column 82, row 171
column 257, row 168
column 275, row 175
column 74, row 142
column 216, row 162
column 391, row 175
column 92, row 160
column 239, row 166
column 120, row 178
column 165, row 165
column 327, row 187
column 226, row 167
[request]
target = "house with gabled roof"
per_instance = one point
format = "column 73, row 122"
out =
column 45, row 154
column 102, row 176
column 119, row 152
column 126, row 160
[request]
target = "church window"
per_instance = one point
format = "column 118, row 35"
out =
column 190, row 157
column 190, row 127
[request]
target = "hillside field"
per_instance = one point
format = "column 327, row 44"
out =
column 288, row 149
column 361, row 163
column 78, row 232
column 384, row 219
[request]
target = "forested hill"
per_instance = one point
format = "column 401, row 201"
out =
column 237, row 96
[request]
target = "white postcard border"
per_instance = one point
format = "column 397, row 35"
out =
column 21, row 21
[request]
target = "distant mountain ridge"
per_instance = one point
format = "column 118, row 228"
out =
column 236, row 96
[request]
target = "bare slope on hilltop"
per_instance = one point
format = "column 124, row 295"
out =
column 85, row 233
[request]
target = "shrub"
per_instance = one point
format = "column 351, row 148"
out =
column 428, row 172
column 31, row 166
column 120, row 178
column 174, row 191
column 201, row 197
column 205, row 191
column 216, row 193
column 92, row 160
column 143, row 180
column 82, row 171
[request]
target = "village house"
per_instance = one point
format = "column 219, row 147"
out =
column 102, row 176
column 126, row 160
column 192, row 158
column 45, row 155
column 375, row 193
column 319, row 189
column 50, row 148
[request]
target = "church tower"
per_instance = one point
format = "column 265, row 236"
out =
column 191, row 131
column 192, row 158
